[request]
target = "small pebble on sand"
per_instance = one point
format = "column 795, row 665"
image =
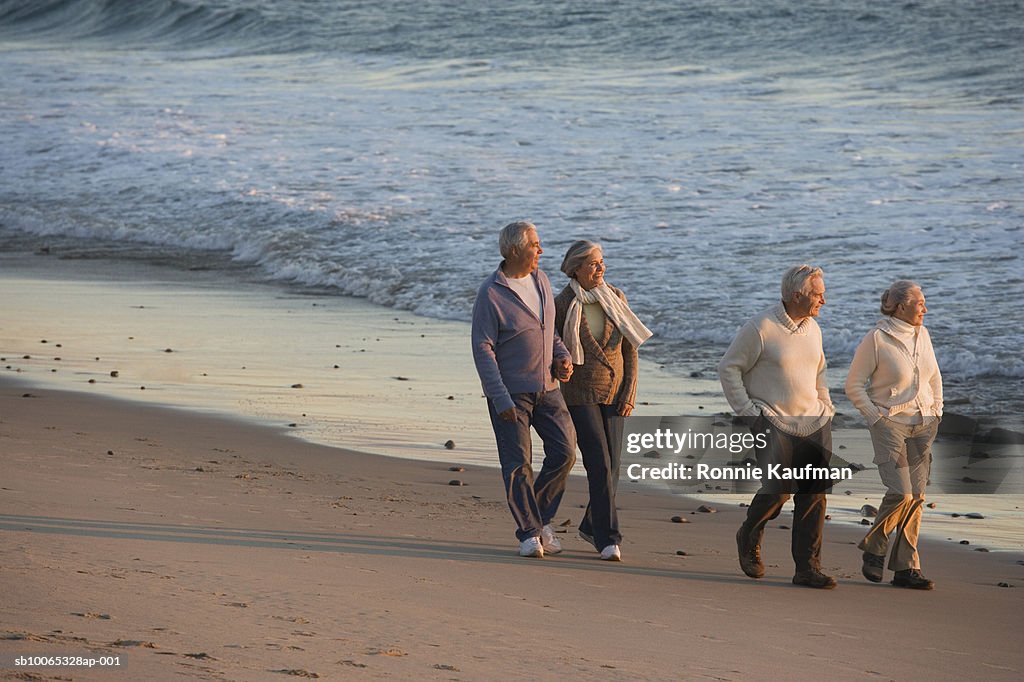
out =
column 455, row 481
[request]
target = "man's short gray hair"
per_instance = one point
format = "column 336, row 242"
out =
column 898, row 292
column 577, row 255
column 513, row 237
column 793, row 280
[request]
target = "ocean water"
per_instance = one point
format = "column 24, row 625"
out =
column 376, row 148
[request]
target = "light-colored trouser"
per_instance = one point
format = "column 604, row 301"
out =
column 903, row 453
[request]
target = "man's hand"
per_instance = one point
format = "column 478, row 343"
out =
column 562, row 369
column 508, row 415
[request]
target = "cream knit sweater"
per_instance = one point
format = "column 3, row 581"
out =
column 894, row 374
column 777, row 367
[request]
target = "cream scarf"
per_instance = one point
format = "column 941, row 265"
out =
column 628, row 324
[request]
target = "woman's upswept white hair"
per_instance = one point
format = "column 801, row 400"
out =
column 898, row 292
column 513, row 237
column 577, row 255
column 794, row 278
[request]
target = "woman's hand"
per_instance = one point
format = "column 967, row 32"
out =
column 624, row 409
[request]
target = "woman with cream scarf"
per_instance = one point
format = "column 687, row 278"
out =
column 602, row 335
column 894, row 381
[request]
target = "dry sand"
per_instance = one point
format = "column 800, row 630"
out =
column 195, row 547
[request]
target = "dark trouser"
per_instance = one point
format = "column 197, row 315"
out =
column 599, row 433
column 534, row 502
column 808, row 499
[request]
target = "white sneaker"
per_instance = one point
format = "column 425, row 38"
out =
column 550, row 542
column 531, row 547
column 611, row 553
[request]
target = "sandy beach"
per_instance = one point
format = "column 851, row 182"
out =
column 197, row 547
column 219, row 524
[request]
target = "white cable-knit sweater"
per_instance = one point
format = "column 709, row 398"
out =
column 777, row 367
column 894, row 374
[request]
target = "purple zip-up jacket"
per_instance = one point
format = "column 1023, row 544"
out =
column 513, row 349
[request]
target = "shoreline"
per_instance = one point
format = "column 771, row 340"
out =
column 192, row 544
column 336, row 371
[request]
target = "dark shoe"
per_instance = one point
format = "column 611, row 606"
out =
column 749, row 553
column 873, row 567
column 912, row 579
column 814, row 578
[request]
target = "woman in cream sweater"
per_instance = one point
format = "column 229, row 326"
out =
column 894, row 381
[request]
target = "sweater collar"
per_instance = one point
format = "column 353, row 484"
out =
column 897, row 327
column 786, row 321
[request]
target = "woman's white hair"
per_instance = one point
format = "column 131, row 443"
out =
column 898, row 292
column 793, row 279
column 577, row 255
column 513, row 237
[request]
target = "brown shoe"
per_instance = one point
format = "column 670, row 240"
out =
column 814, row 578
column 749, row 553
column 912, row 579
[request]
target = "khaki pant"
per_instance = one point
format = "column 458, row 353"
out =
column 903, row 454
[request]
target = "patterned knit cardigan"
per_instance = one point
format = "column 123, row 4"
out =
column 608, row 374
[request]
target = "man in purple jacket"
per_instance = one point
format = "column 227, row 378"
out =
column 520, row 360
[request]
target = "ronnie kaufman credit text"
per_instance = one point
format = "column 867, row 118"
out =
column 708, row 472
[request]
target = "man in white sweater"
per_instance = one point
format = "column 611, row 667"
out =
column 774, row 374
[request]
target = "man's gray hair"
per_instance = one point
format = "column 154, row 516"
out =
column 794, row 278
column 513, row 237
column 898, row 292
column 577, row 255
